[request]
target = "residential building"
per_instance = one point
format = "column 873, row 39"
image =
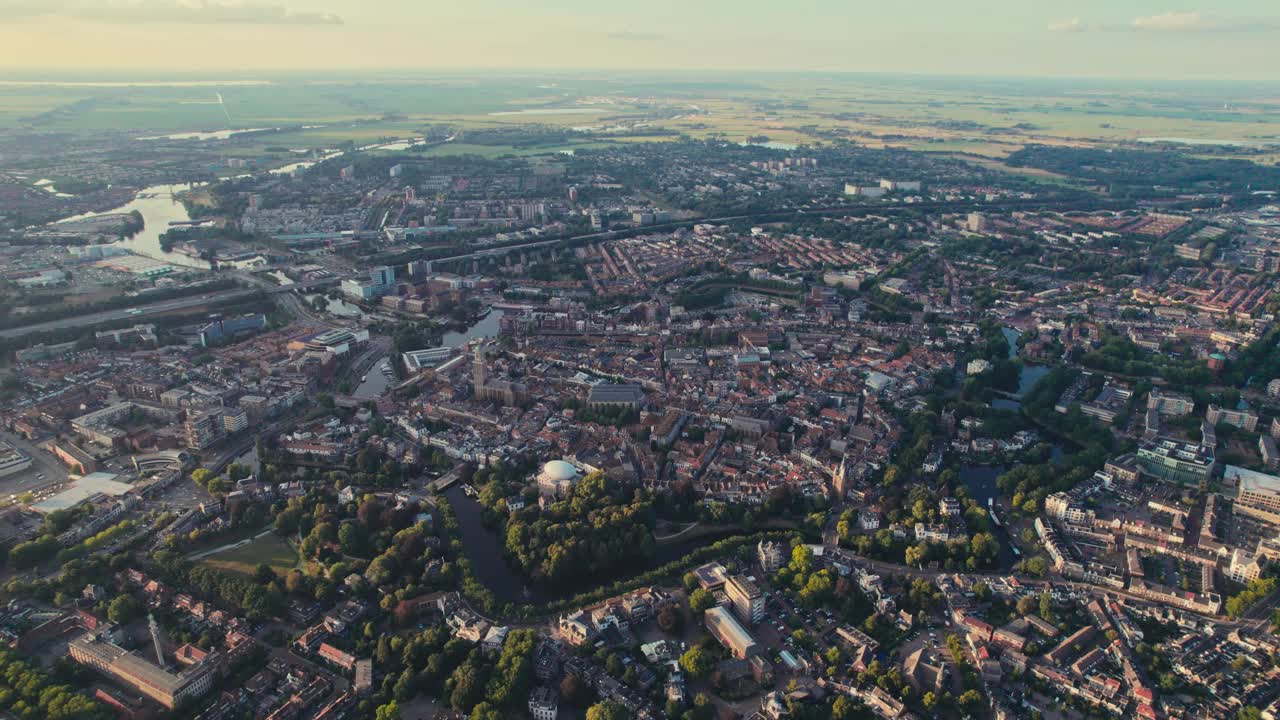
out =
column 1170, row 403
column 771, row 556
column 1244, row 419
column 747, row 599
column 544, row 703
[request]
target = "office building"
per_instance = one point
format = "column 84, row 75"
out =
column 12, row 460
column 1257, row 494
column 381, row 281
column 746, row 598
column 1176, row 461
column 725, row 627
column 221, row 328
column 416, row 360
column 95, row 650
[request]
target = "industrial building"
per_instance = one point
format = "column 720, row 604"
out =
column 95, row 649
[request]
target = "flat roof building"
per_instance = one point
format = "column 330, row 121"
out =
column 1176, row 461
column 747, row 599
column 170, row 689
column 1257, row 494
column 726, row 628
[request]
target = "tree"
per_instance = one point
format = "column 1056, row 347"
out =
column 801, row 560
column 124, row 610
column 982, row 591
column 201, row 476
column 351, row 539
column 607, row 711
column 971, row 701
column 486, row 711
column 1046, row 607
column 468, row 687
column 697, row 662
column 572, row 690
column 670, row 619
column 1027, row 604
column 843, row 709
column 701, row 601
column 389, row 711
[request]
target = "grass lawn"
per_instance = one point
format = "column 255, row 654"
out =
column 270, row 549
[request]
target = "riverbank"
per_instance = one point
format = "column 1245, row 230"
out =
column 500, row 590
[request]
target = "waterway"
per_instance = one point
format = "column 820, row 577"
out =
column 484, row 548
column 485, row 327
column 552, row 111
column 1027, row 378
column 158, row 208
column 376, row 382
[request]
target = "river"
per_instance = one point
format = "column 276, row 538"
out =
column 159, row 207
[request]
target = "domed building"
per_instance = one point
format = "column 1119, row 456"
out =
column 557, row 478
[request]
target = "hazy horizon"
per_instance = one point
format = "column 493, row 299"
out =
column 1088, row 40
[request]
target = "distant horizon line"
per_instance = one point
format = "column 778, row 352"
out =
column 30, row 75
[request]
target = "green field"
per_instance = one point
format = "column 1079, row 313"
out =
column 270, row 549
column 988, row 117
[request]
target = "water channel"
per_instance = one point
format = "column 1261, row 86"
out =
column 376, row 382
column 484, row 548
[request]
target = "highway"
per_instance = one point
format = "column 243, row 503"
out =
column 141, row 312
column 138, row 313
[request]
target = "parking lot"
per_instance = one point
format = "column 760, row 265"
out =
column 45, row 470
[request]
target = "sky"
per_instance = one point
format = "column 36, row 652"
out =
column 1218, row 41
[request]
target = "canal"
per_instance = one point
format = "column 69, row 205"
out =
column 1027, row 378
column 485, row 549
column 376, row 381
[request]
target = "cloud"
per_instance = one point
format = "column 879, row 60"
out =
column 185, row 12
column 637, row 36
column 1199, row 22
column 1074, row 24
column 1169, row 22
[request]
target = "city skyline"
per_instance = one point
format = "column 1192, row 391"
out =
column 1233, row 41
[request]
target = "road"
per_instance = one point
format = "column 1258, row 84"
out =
column 138, row 313
column 141, row 312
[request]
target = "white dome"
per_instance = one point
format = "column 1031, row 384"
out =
column 559, row 470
